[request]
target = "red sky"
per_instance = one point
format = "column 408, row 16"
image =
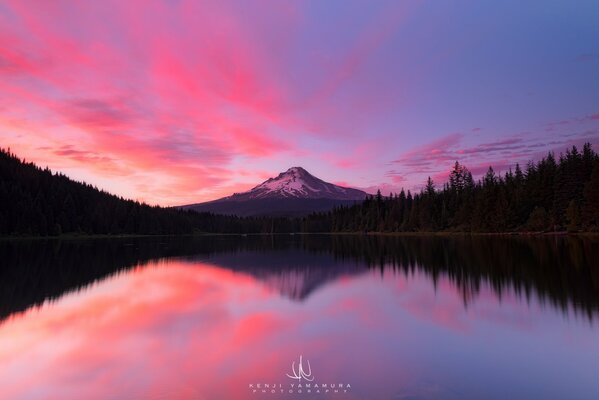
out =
column 173, row 102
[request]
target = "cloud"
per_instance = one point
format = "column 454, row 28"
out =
column 508, row 144
column 93, row 114
column 396, row 176
column 102, row 162
column 184, row 92
column 384, row 187
column 165, row 101
column 426, row 157
column 436, row 158
column 154, row 99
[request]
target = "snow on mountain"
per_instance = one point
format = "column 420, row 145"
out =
column 294, row 192
column 296, row 182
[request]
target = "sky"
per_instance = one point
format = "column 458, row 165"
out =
column 175, row 102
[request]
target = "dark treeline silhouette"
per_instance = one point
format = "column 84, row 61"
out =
column 560, row 272
column 36, row 202
column 548, row 195
column 33, row 271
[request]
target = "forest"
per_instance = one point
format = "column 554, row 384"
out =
column 546, row 196
column 551, row 195
column 37, row 202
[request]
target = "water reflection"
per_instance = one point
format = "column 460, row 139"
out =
column 560, row 271
column 406, row 318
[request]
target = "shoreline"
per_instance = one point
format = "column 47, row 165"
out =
column 405, row 234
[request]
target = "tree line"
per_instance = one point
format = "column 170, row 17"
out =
column 549, row 195
column 37, row 202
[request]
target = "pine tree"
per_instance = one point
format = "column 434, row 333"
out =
column 538, row 221
column 430, row 187
column 456, row 177
column 573, row 216
column 591, row 199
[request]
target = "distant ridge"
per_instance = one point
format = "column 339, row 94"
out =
column 294, row 192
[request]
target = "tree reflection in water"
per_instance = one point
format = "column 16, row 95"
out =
column 560, row 271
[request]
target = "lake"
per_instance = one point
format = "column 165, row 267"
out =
column 300, row 316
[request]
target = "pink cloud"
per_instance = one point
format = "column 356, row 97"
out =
column 435, row 159
column 166, row 101
column 431, row 154
column 185, row 104
column 172, row 119
column 341, row 183
column 385, row 188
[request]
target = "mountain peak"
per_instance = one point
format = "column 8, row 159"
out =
column 294, row 171
column 293, row 192
column 297, row 169
column 298, row 183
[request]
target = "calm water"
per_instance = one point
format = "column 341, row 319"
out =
column 375, row 317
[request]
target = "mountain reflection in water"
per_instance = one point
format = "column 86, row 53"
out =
column 561, row 271
column 214, row 317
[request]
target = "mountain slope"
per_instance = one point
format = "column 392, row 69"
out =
column 294, row 192
column 296, row 182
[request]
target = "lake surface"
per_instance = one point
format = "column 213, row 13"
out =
column 229, row 318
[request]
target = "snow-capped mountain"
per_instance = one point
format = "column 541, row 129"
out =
column 291, row 193
column 296, row 182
